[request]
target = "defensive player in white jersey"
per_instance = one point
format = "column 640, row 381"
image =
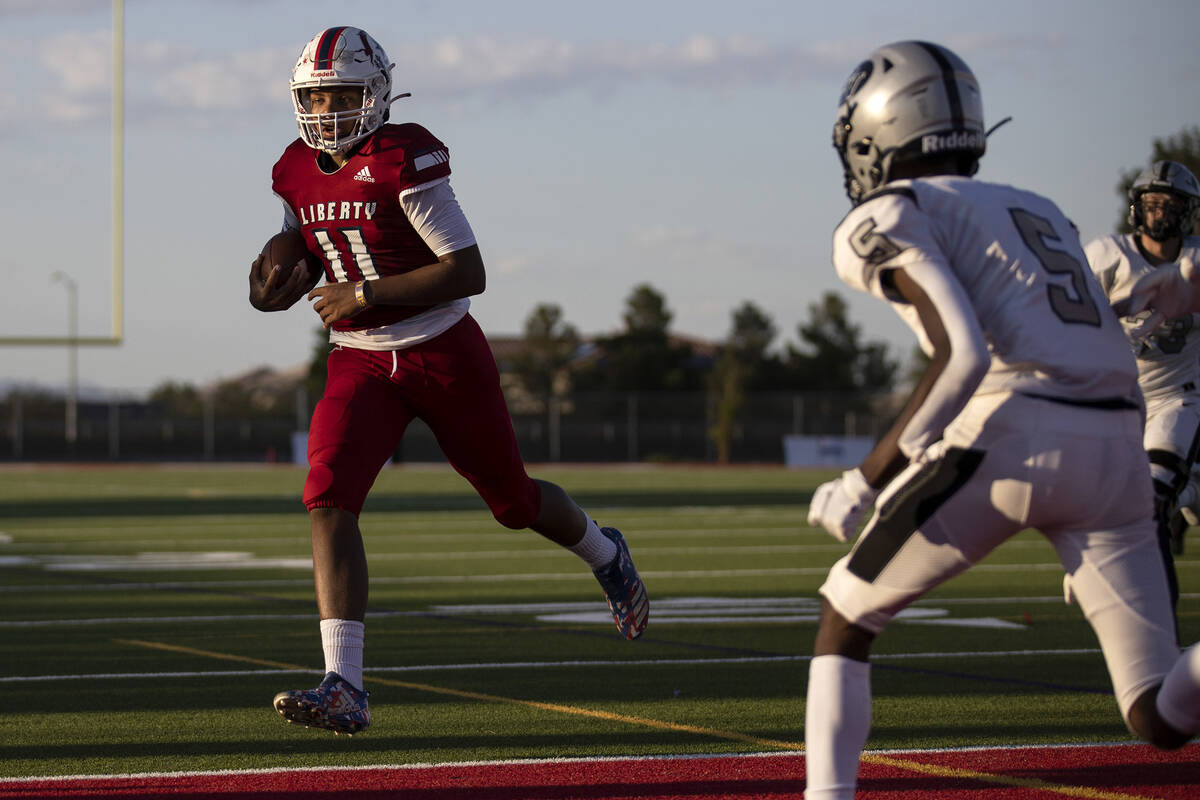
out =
column 1164, row 200
column 374, row 202
column 1028, row 415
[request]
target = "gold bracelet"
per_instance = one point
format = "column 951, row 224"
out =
column 360, row 296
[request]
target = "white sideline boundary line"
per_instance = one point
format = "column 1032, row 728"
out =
column 537, row 761
column 649, row 662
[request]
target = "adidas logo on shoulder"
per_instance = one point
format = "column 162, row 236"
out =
column 364, row 174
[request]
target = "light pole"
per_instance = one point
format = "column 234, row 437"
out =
column 72, row 353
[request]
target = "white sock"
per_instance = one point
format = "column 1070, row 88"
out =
column 595, row 548
column 1178, row 700
column 837, row 721
column 342, row 641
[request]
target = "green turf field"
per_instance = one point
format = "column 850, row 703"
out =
column 149, row 614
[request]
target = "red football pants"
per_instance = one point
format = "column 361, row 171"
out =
column 452, row 384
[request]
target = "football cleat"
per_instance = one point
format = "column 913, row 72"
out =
column 624, row 589
column 335, row 705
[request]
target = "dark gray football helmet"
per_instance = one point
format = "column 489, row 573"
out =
column 1172, row 178
column 907, row 101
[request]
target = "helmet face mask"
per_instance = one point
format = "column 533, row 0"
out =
column 1172, row 189
column 908, row 101
column 338, row 120
column 339, row 58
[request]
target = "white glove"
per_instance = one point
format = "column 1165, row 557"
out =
column 1167, row 292
column 840, row 504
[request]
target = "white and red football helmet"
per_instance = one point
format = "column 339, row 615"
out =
column 336, row 57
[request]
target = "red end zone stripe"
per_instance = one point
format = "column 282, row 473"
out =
column 1125, row 771
column 1136, row 770
column 324, row 57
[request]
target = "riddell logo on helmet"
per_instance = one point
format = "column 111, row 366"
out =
column 324, row 73
column 957, row 140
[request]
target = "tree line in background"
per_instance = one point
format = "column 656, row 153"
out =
column 552, row 359
column 645, row 357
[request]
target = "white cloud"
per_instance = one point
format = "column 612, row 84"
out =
column 161, row 77
column 82, row 62
column 457, row 65
column 166, row 77
column 240, row 81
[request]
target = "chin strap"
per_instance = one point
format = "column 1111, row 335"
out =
column 992, row 129
column 387, row 109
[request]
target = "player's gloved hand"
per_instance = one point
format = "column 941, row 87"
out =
column 1167, row 292
column 840, row 504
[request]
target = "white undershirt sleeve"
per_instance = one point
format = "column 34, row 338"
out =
column 968, row 363
column 436, row 215
column 291, row 222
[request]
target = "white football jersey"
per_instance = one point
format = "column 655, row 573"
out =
column 1048, row 325
column 1170, row 357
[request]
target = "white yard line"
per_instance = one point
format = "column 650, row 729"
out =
column 538, row 665
column 538, row 761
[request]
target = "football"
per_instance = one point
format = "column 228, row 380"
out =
column 288, row 249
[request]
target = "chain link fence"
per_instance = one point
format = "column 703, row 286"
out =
column 587, row 427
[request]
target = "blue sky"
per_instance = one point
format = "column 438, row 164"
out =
column 595, row 146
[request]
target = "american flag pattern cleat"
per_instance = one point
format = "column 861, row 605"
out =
column 335, row 705
column 626, row 594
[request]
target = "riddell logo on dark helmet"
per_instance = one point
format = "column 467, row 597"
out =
column 955, row 140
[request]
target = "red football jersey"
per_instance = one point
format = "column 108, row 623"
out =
column 353, row 218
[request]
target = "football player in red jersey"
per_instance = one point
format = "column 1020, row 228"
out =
column 373, row 200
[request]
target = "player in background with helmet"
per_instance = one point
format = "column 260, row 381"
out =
column 374, row 201
column 1028, row 415
column 1163, row 202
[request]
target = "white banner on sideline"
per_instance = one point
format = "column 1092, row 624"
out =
column 826, row 451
